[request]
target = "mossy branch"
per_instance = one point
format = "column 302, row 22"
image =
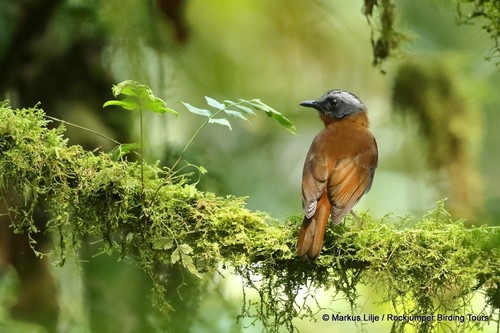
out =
column 387, row 38
column 435, row 266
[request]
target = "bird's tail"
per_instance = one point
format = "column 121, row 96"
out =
column 313, row 229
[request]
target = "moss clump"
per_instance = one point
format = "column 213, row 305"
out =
column 429, row 267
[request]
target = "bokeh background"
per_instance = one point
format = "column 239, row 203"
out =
column 433, row 108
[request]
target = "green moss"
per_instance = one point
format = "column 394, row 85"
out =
column 436, row 265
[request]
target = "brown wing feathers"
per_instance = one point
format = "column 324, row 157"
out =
column 313, row 230
column 334, row 179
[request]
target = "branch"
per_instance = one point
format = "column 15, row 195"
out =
column 416, row 268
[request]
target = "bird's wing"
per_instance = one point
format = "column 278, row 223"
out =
column 350, row 178
column 314, row 179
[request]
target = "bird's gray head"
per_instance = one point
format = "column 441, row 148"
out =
column 336, row 104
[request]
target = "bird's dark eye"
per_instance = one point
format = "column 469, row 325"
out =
column 333, row 102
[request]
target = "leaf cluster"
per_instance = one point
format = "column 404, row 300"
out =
column 138, row 96
column 240, row 109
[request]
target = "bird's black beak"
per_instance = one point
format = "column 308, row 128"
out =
column 310, row 104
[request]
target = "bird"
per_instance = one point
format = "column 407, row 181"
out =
column 338, row 169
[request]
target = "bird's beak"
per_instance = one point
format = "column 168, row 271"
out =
column 310, row 104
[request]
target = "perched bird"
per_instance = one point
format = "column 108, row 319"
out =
column 338, row 169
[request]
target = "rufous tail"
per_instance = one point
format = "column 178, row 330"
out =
column 313, row 229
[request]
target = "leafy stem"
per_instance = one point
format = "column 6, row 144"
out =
column 241, row 108
column 186, row 147
column 141, row 142
column 138, row 97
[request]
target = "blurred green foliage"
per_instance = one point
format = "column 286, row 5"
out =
column 449, row 120
column 386, row 37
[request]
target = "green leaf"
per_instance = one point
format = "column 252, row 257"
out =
column 214, row 103
column 235, row 114
column 133, row 89
column 282, row 120
column 258, row 105
column 244, row 109
column 127, row 104
column 155, row 104
column 220, row 121
column 126, row 88
column 228, row 103
column 194, row 109
column 176, row 256
column 122, row 150
column 138, row 96
column 189, row 265
column 181, row 254
column 158, row 105
column 186, row 249
column 202, row 169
